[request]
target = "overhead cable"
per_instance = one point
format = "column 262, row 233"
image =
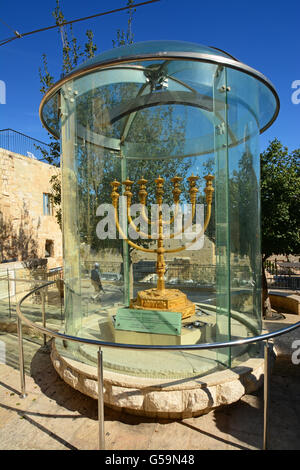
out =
column 63, row 23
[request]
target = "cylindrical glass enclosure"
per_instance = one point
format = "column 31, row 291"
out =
column 161, row 203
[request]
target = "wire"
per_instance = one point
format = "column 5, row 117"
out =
column 7, row 39
column 18, row 35
column 9, row 27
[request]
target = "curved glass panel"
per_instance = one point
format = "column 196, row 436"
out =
column 152, row 47
column 181, row 82
column 124, row 97
column 160, row 175
column 50, row 114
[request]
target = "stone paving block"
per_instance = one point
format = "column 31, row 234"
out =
column 121, row 436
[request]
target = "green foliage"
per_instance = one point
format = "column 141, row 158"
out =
column 89, row 47
column 55, row 182
column 46, row 78
column 122, row 37
column 97, row 167
column 280, row 200
column 70, row 51
column 244, row 206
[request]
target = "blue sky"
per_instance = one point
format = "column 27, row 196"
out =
column 263, row 34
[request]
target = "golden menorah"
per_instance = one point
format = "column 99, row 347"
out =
column 160, row 298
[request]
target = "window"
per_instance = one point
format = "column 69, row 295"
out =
column 47, row 204
column 49, row 248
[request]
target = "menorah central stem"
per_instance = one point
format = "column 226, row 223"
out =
column 160, row 263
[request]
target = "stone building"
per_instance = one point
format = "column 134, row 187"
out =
column 29, row 229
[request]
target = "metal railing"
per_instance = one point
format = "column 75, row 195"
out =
column 204, row 346
column 12, row 286
column 283, row 274
column 284, row 281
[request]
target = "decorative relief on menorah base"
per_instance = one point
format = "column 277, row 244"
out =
column 170, row 300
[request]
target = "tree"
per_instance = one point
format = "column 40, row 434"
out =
column 95, row 172
column 72, row 53
column 280, row 206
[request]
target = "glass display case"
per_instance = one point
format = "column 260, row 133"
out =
column 161, row 203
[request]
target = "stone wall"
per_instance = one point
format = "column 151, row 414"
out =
column 204, row 256
column 24, row 227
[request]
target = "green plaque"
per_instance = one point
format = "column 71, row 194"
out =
column 148, row 321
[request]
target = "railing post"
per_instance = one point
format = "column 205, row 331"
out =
column 61, row 295
column 8, row 292
column 101, row 401
column 266, row 393
column 61, row 308
column 21, row 359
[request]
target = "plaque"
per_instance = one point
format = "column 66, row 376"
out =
column 148, row 321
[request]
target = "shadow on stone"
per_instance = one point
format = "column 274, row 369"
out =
column 243, row 420
column 51, row 385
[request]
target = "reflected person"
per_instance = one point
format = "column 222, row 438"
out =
column 96, row 280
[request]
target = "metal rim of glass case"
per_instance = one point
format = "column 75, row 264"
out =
column 220, row 60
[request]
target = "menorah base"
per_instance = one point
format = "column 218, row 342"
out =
column 169, row 300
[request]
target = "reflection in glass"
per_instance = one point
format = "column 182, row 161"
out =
column 157, row 123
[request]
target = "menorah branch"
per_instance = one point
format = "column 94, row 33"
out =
column 187, row 225
column 135, row 228
column 199, row 235
column 124, row 237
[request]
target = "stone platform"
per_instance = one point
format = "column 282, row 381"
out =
column 161, row 397
column 161, row 383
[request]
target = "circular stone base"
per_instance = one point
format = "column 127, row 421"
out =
column 161, row 398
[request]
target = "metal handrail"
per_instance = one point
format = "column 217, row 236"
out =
column 239, row 342
column 15, row 280
column 17, row 142
column 46, row 331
